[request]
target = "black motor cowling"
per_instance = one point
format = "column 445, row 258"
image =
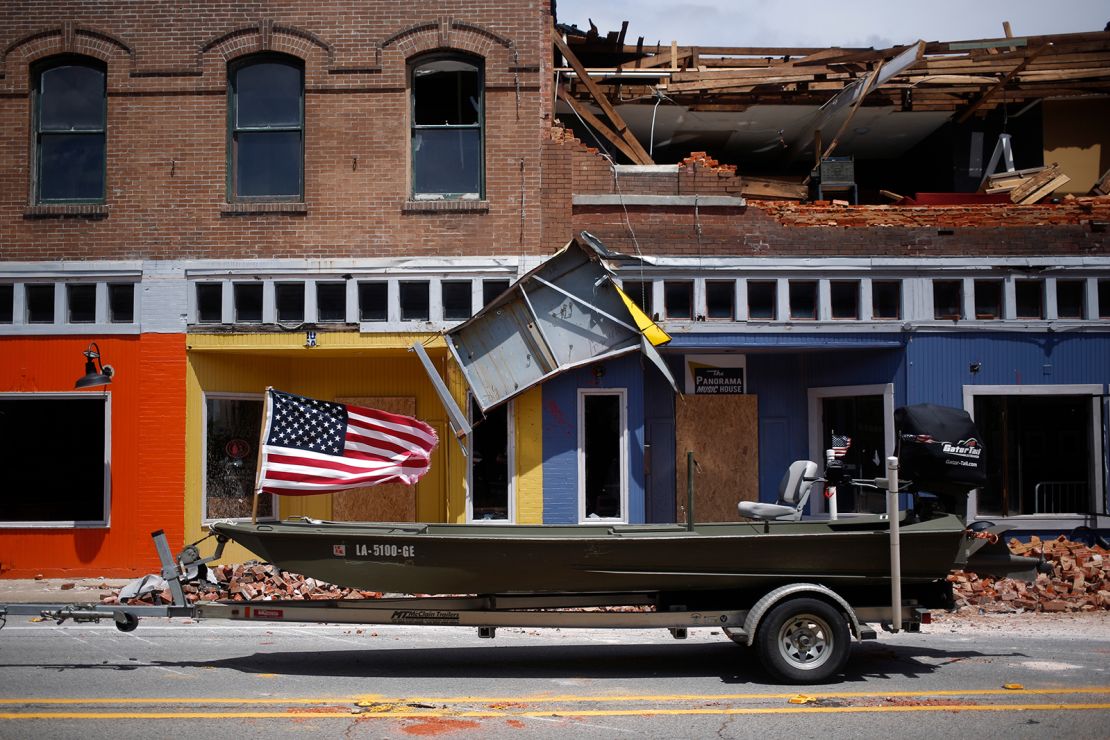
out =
column 939, row 449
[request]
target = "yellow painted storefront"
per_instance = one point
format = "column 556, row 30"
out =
column 346, row 365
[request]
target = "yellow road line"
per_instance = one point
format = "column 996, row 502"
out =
column 545, row 698
column 561, row 713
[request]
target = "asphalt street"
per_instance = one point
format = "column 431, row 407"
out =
column 1011, row 677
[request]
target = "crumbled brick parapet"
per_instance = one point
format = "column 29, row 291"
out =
column 1079, row 581
column 1069, row 211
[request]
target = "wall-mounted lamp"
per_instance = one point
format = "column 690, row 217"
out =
column 95, row 373
column 975, row 367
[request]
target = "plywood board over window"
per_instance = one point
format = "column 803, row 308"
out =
column 391, row 502
column 723, row 433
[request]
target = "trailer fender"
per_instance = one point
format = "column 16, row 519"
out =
column 764, row 605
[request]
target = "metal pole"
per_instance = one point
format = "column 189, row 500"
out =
column 892, row 509
column 689, row 491
column 830, row 496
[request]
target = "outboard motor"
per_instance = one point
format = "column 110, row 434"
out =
column 939, row 449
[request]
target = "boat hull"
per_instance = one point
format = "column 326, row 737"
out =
column 503, row 559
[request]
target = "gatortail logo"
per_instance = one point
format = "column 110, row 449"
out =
column 964, row 448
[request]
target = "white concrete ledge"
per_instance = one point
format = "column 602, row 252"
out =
column 685, row 201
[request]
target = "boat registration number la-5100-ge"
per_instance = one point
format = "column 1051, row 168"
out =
column 377, row 552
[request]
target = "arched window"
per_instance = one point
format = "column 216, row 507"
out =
column 447, row 117
column 266, row 129
column 70, row 115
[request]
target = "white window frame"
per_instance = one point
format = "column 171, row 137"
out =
column 817, row 422
column 510, row 431
column 104, row 523
column 1095, row 471
column 622, row 394
column 220, row 395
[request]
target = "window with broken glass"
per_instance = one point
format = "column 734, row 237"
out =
column 446, row 129
column 266, row 129
column 232, row 429
column 70, row 131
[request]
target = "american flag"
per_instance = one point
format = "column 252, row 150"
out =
column 840, row 444
column 312, row 446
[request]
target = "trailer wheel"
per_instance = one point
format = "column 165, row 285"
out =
column 129, row 623
column 803, row 640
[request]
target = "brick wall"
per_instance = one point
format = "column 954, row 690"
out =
column 1075, row 226
column 167, row 127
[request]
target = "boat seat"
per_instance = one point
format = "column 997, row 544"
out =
column 793, row 493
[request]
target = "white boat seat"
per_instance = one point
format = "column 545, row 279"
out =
column 793, row 493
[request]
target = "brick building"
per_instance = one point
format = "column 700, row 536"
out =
column 213, row 198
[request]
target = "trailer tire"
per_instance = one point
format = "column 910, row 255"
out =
column 803, row 640
column 129, row 623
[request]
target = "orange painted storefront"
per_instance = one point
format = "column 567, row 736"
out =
column 147, row 471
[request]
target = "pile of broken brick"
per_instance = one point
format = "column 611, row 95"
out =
column 1078, row 581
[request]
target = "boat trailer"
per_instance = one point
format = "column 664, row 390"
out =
column 801, row 631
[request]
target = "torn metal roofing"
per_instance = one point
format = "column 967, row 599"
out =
column 565, row 313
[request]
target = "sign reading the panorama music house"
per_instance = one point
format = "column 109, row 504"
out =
column 718, row 381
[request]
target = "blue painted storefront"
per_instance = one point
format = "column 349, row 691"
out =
column 922, row 367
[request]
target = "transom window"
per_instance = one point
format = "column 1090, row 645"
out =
column 844, row 299
column 803, row 299
column 948, row 296
column 678, row 299
column 446, row 136
column 266, row 129
column 70, row 122
column 988, row 299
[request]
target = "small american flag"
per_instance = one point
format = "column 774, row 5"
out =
column 840, row 444
column 312, row 446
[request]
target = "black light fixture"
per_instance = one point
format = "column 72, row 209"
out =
column 95, row 373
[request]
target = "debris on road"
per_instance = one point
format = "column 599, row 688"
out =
column 1079, row 581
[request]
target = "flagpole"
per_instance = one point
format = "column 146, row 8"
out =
column 258, row 461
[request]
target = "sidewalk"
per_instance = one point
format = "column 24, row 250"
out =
column 57, row 590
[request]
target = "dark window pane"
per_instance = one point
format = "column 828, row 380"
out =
column 71, row 166
column 121, row 303
column 40, row 303
column 886, row 299
column 447, row 161
column 456, row 299
column 248, row 302
column 71, row 97
column 82, row 303
column 289, row 298
column 268, row 94
column 720, row 297
column 947, row 299
column 7, row 303
column 761, row 299
column 493, row 288
column 331, row 301
column 209, row 303
column 414, row 301
column 268, row 164
column 1104, row 299
column 231, row 455
column 1030, row 299
column 446, row 92
column 602, row 449
column 803, row 299
column 640, row 293
column 988, row 299
column 40, row 433
column 1069, row 299
column 844, row 295
column 373, row 301
column 678, row 299
column 489, row 472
